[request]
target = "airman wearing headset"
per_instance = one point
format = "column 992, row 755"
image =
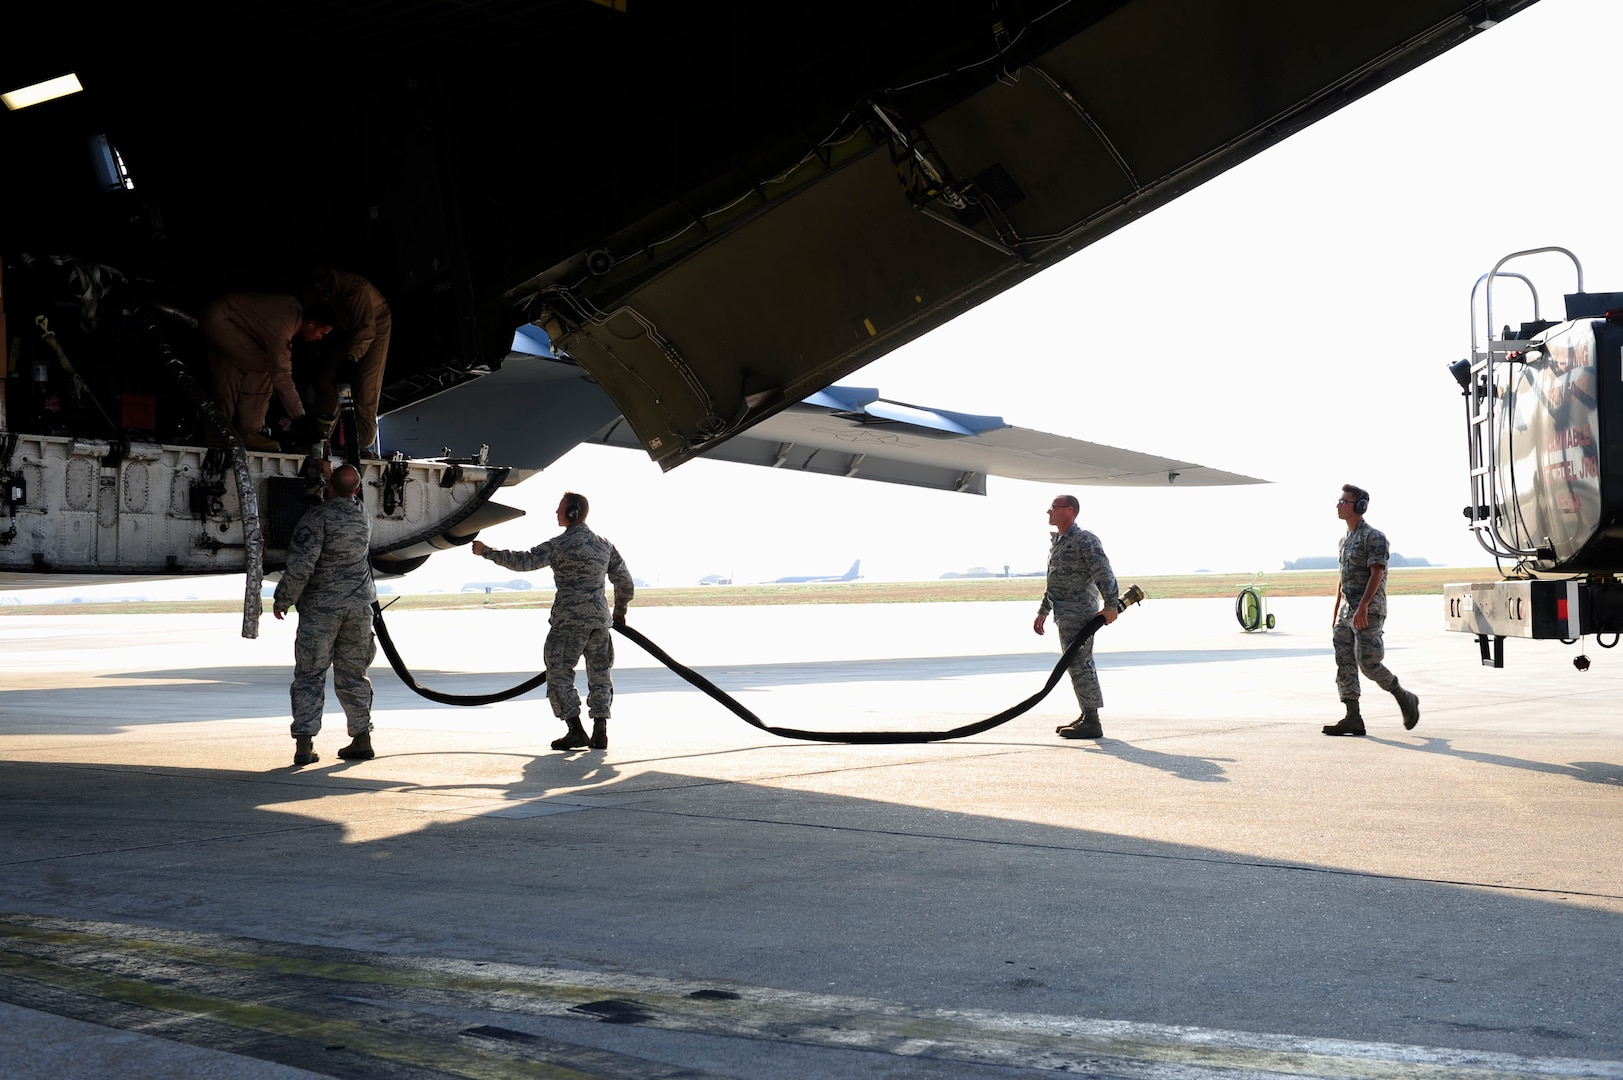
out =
column 1360, row 616
column 580, row 619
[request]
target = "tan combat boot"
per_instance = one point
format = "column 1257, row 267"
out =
column 574, row 738
column 1351, row 724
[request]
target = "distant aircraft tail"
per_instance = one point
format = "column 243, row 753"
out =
column 851, row 574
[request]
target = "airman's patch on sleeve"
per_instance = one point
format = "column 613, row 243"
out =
column 303, row 536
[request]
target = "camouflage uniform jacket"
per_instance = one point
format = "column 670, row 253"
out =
column 329, row 561
column 580, row 559
column 1079, row 575
column 1362, row 548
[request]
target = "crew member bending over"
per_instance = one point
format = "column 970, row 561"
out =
column 356, row 354
column 250, row 352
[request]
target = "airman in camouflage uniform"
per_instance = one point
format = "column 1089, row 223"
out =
column 329, row 579
column 1360, row 616
column 1079, row 580
column 580, row 560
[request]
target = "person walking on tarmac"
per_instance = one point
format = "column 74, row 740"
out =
column 1079, row 581
column 329, row 579
column 357, row 352
column 1360, row 615
column 249, row 339
column 580, row 561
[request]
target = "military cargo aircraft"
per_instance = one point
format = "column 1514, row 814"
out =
column 690, row 221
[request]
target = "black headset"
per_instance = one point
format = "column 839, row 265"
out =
column 1361, row 505
column 572, row 511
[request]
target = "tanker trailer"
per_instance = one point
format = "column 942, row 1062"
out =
column 1544, row 431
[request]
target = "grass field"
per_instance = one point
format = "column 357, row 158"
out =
column 1407, row 581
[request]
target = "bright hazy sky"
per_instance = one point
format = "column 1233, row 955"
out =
column 1292, row 319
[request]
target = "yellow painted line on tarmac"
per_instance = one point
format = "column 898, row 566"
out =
column 74, row 955
column 447, row 1057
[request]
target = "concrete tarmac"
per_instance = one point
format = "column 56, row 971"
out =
column 1213, row 889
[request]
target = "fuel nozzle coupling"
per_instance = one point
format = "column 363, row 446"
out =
column 311, row 471
column 1133, row 594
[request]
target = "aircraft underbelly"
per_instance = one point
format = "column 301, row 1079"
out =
column 72, row 507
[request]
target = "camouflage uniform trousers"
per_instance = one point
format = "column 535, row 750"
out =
column 1084, row 676
column 1361, row 650
column 566, row 644
column 342, row 640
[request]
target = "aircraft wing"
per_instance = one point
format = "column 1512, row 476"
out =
column 534, row 409
column 851, row 431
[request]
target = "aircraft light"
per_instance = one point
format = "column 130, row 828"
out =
column 24, row 96
column 1461, row 370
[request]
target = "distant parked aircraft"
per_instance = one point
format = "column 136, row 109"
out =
column 515, row 585
column 1330, row 562
column 849, row 575
column 983, row 572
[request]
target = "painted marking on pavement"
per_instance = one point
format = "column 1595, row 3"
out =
column 343, row 1012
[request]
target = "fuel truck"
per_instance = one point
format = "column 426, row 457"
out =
column 1544, row 434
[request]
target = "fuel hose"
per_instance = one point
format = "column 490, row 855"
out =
column 412, row 684
column 1132, row 595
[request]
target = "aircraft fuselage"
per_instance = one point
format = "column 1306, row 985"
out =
column 72, row 507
